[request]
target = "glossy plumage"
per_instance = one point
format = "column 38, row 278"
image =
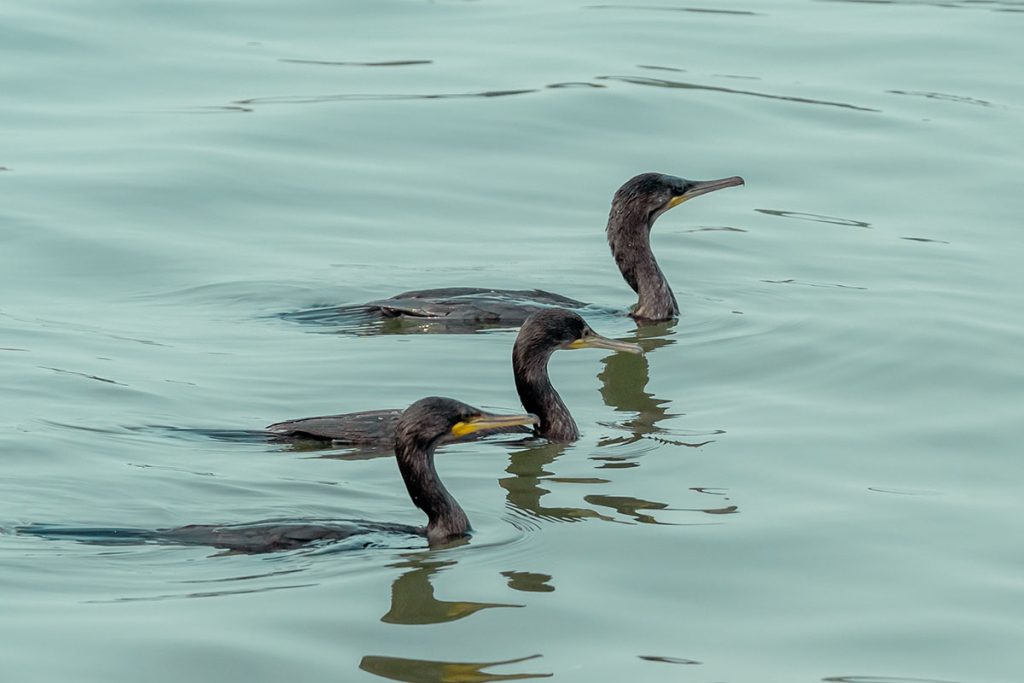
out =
column 541, row 335
column 635, row 207
column 419, row 430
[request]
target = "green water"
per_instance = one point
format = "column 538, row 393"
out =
column 813, row 475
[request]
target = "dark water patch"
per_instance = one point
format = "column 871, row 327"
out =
column 727, row 510
column 431, row 671
column 575, row 84
column 791, row 281
column 529, row 582
column 654, row 67
column 668, row 660
column 13, row 348
column 380, row 97
column 924, row 239
column 674, row 8
column 816, row 217
column 82, row 374
column 711, row 491
column 616, row 464
column 5, row 168
column 578, row 480
column 664, row 83
column 945, row 97
column 396, row 62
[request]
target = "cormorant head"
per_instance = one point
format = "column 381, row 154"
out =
column 428, row 420
column 559, row 328
column 652, row 194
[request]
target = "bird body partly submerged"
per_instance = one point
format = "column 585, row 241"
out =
column 543, row 333
column 375, row 428
column 420, row 429
column 475, row 305
column 635, row 207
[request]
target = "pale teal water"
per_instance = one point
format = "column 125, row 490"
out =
column 849, row 354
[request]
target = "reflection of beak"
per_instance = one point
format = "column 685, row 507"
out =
column 698, row 187
column 486, row 421
column 595, row 341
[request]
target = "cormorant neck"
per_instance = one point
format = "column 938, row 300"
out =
column 629, row 236
column 446, row 518
column 530, row 367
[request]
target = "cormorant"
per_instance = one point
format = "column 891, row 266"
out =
column 635, row 207
column 543, row 333
column 425, row 424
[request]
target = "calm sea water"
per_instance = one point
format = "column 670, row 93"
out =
column 814, row 475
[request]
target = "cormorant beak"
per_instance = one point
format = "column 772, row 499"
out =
column 698, row 187
column 489, row 422
column 592, row 340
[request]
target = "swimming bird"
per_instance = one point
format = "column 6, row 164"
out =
column 420, row 429
column 543, row 333
column 635, row 207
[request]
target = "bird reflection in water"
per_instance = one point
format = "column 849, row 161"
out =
column 412, row 595
column 529, row 582
column 429, row 671
column 624, row 388
column 636, row 508
column 523, row 489
column 529, row 468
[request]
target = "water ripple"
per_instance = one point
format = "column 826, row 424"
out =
column 670, row 8
column 376, row 97
column 924, row 239
column 428, row 671
column 992, row 5
column 83, row 374
column 198, row 594
column 816, row 217
column 397, row 62
column 945, row 97
column 668, row 660
column 882, row 679
column 664, row 83
column 791, row 281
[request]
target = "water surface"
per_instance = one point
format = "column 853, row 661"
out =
column 812, row 475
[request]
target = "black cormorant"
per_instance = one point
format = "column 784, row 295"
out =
column 543, row 333
column 635, row 207
column 419, row 430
